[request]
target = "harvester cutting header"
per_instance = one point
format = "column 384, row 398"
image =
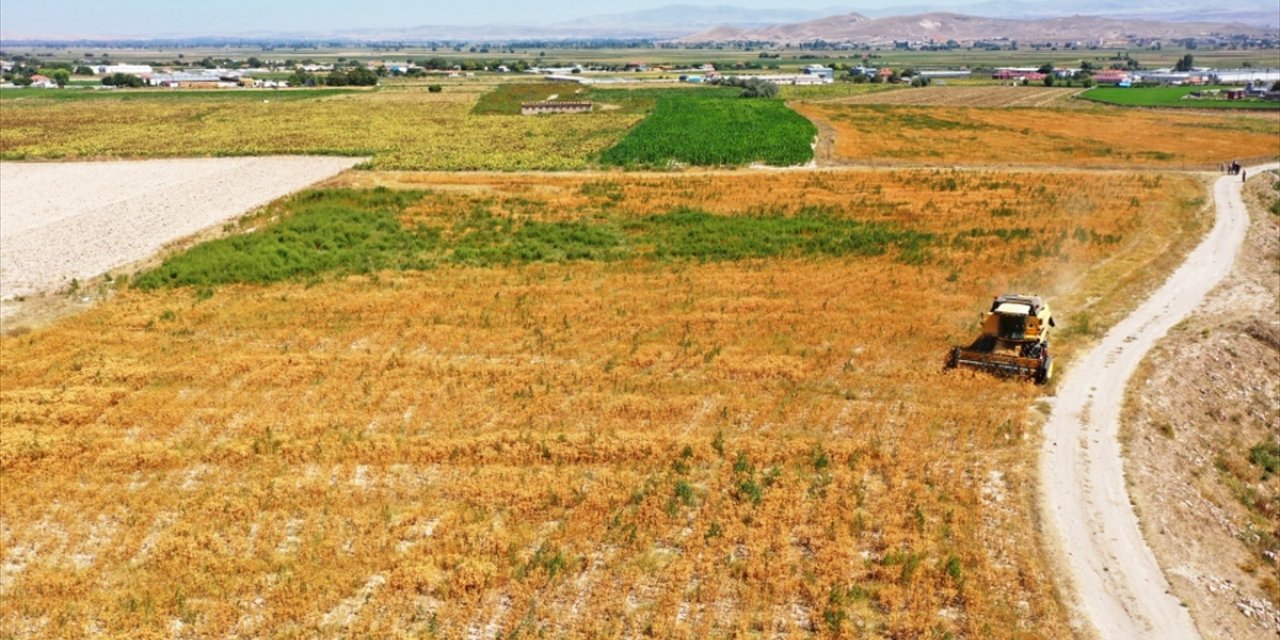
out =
column 1014, row 340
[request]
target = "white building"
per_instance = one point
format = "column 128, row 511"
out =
column 826, row 73
column 131, row 69
column 1244, row 76
column 942, row 73
column 792, row 79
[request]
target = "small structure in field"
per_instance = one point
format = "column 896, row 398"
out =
column 826, row 73
column 536, row 108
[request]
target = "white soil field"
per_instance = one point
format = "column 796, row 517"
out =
column 60, row 221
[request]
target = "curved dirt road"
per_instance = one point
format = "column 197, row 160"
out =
column 1119, row 588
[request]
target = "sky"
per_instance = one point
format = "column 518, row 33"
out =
column 160, row 18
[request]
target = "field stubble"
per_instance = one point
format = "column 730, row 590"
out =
column 645, row 447
column 400, row 128
column 1095, row 138
column 986, row 96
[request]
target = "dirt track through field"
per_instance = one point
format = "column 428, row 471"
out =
column 1121, row 590
column 60, row 221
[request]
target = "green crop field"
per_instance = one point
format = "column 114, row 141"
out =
column 1171, row 97
column 344, row 232
column 716, row 128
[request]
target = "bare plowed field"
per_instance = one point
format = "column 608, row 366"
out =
column 633, row 448
column 65, row 221
column 991, row 97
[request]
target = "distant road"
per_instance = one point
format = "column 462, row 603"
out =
column 1120, row 589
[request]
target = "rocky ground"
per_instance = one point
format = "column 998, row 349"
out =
column 1201, row 425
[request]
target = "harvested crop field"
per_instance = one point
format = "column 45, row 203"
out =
column 66, row 221
column 983, row 96
column 681, row 445
column 396, row 127
column 878, row 134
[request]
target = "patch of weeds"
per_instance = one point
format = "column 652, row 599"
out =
column 1266, row 455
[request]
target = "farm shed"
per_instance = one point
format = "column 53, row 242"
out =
column 944, row 73
column 1244, row 76
column 131, row 69
column 826, row 73
column 205, row 80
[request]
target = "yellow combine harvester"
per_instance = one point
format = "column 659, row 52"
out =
column 1014, row 340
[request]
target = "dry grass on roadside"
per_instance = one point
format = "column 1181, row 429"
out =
column 666, row 448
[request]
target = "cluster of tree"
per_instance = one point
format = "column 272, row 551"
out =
column 751, row 87
column 353, row 77
column 123, row 80
column 1186, row 63
column 440, row 64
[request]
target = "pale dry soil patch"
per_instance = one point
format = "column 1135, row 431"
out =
column 63, row 223
column 1205, row 396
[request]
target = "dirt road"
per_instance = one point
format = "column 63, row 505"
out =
column 1119, row 589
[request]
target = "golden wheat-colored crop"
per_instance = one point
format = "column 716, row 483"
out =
column 668, row 449
column 1119, row 138
column 400, row 128
column 972, row 96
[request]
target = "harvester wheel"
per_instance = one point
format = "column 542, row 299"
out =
column 1045, row 373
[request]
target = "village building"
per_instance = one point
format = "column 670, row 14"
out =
column 1016, row 74
column 43, row 82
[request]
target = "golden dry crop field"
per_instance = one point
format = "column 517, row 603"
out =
column 641, row 448
column 1096, row 138
column 399, row 127
column 972, row 96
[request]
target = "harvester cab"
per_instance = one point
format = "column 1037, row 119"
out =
column 1014, row 339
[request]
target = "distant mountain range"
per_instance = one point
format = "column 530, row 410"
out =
column 1257, row 13
column 691, row 23
column 1083, row 20
column 941, row 27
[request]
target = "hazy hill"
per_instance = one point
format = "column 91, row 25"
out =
column 967, row 28
column 986, row 19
